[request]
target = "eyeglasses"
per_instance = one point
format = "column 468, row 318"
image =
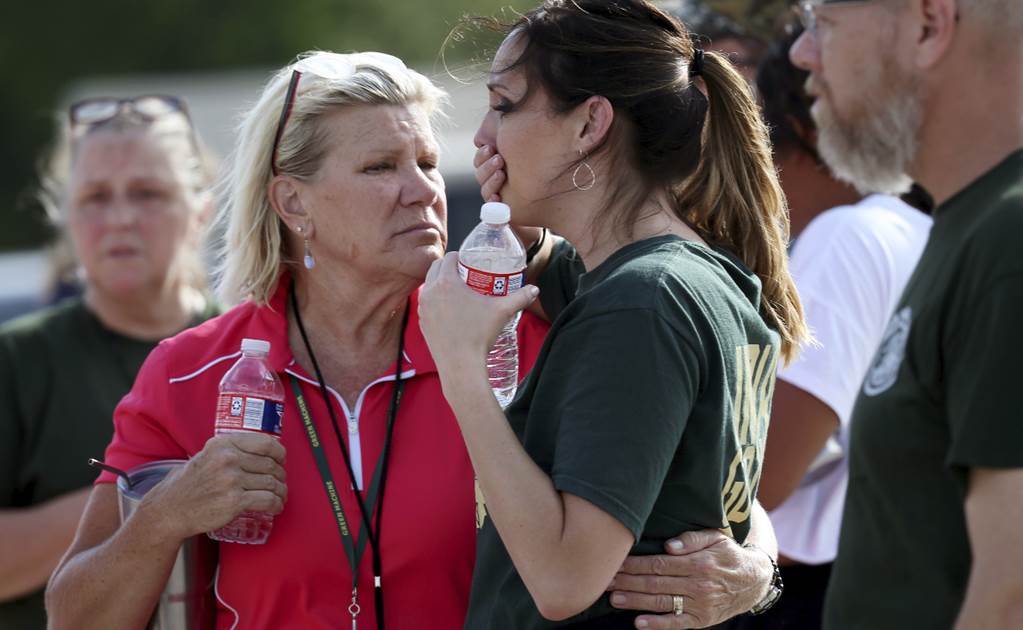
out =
column 333, row 67
column 149, row 107
column 807, row 11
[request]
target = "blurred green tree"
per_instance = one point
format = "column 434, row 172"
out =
column 46, row 44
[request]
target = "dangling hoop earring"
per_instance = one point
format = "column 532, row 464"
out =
column 575, row 175
column 308, row 259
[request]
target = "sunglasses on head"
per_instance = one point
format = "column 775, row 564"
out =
column 333, row 67
column 148, row 108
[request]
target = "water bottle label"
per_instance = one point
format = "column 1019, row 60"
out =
column 491, row 283
column 238, row 412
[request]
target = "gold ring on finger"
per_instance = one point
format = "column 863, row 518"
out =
column 678, row 605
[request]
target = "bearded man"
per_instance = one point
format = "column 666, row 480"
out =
column 932, row 91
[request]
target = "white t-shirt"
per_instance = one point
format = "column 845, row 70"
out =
column 850, row 266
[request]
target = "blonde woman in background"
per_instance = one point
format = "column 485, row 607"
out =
column 129, row 187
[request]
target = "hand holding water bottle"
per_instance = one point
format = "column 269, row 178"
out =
column 492, row 262
column 233, row 473
column 250, row 401
column 459, row 324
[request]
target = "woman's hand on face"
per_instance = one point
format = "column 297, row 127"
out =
column 491, row 177
column 490, row 173
column 233, row 473
column 459, row 324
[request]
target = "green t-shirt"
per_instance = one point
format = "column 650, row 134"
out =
column 650, row 399
column 936, row 402
column 61, row 375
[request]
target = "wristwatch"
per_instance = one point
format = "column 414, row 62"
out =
column 773, row 593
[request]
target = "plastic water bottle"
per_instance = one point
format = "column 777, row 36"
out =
column 493, row 262
column 251, row 400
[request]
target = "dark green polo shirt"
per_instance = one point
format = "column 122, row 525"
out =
column 650, row 399
column 937, row 401
column 61, row 375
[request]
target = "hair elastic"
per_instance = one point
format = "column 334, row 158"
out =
column 696, row 66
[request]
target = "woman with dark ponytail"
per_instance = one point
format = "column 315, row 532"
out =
column 671, row 305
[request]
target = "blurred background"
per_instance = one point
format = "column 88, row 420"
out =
column 215, row 55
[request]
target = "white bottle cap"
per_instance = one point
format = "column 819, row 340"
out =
column 256, row 345
column 495, row 212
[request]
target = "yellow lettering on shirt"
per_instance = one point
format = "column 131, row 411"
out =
column 481, row 506
column 751, row 413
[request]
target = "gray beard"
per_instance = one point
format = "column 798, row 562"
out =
column 872, row 151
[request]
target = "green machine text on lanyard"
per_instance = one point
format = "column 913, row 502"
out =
column 374, row 496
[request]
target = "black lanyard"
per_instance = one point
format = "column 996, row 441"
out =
column 375, row 494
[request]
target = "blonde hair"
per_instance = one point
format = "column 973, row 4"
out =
column 251, row 256
column 186, row 152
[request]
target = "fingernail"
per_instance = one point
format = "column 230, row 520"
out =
column 533, row 291
column 618, row 599
column 495, row 160
column 642, row 623
column 676, row 545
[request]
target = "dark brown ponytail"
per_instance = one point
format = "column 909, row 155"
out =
column 734, row 199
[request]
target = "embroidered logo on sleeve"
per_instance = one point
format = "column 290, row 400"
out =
column 884, row 371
